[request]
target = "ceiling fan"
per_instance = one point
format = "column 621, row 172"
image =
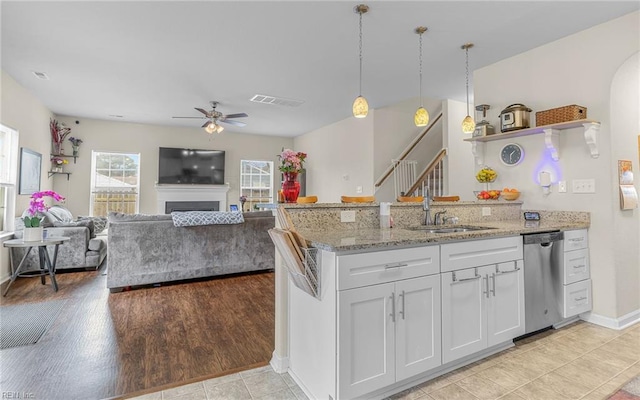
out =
column 214, row 116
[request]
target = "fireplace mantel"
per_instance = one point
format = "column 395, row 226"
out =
column 191, row 193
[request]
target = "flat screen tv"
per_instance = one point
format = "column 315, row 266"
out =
column 191, row 166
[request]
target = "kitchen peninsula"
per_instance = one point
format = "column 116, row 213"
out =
column 401, row 306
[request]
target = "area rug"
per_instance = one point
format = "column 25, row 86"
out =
column 631, row 390
column 25, row 324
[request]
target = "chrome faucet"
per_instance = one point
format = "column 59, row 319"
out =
column 426, row 206
column 439, row 219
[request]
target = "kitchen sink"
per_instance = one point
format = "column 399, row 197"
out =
column 448, row 229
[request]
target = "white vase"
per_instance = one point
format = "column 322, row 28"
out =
column 32, row 234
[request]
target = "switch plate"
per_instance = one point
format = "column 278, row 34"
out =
column 486, row 211
column 562, row 186
column 358, row 189
column 347, row 216
column 584, row 185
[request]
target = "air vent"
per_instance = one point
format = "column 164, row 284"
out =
column 115, row 116
column 279, row 101
column 41, row 75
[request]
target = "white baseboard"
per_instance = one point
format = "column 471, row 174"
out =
column 613, row 323
column 279, row 364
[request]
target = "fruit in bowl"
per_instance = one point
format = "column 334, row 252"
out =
column 510, row 194
column 487, row 194
column 486, row 174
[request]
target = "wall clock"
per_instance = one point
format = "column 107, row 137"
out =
column 511, row 154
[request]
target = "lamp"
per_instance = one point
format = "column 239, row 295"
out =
column 213, row 127
column 421, row 117
column 360, row 105
column 468, row 124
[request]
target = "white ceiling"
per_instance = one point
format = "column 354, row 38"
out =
column 148, row 61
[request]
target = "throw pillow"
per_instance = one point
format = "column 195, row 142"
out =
column 85, row 223
column 58, row 213
column 120, row 217
column 197, row 218
column 99, row 223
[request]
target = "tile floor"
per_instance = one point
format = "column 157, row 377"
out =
column 579, row 361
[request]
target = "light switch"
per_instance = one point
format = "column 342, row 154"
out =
column 348, row 216
column 562, row 186
column 584, row 185
column 486, row 211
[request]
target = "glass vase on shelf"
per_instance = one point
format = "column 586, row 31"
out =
column 57, row 148
column 75, row 150
column 290, row 187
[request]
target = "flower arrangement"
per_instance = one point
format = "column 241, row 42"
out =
column 59, row 161
column 291, row 161
column 37, row 207
column 58, row 133
column 75, row 141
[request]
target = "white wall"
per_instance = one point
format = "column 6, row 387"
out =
column 339, row 159
column 459, row 163
column 101, row 135
column 625, row 124
column 22, row 111
column 577, row 69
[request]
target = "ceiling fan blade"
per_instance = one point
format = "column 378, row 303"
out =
column 190, row 117
column 236, row 123
column 238, row 115
column 203, row 111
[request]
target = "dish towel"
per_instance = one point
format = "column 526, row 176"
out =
column 197, row 218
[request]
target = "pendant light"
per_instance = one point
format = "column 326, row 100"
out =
column 421, row 117
column 360, row 105
column 468, row 124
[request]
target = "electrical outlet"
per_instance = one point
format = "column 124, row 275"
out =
column 562, row 186
column 583, row 185
column 358, row 189
column 347, row 216
column 486, row 211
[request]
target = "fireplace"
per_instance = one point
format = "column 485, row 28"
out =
column 171, row 206
column 191, row 198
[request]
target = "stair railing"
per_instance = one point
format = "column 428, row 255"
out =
column 431, row 176
column 406, row 152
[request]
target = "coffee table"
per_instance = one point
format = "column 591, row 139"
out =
column 46, row 265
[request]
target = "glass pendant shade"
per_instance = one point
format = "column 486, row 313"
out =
column 360, row 107
column 219, row 129
column 210, row 128
column 421, row 117
column 468, row 125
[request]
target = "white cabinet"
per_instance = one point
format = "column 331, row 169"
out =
column 576, row 273
column 481, row 307
column 386, row 333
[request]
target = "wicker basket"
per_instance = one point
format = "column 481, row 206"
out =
column 561, row 114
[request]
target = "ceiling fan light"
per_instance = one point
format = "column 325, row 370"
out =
column 211, row 127
column 219, row 129
column 421, row 117
column 360, row 107
column 468, row 125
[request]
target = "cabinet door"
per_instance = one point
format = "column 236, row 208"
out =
column 366, row 339
column 418, row 345
column 463, row 313
column 505, row 305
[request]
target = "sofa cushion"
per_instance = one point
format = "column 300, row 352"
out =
column 86, row 223
column 99, row 223
column 96, row 244
column 120, row 217
column 58, row 213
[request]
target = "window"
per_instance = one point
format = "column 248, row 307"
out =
column 115, row 183
column 256, row 182
column 8, row 176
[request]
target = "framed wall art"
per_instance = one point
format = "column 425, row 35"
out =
column 30, row 168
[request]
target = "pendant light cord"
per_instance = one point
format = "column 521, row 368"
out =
column 421, row 70
column 360, row 91
column 467, row 64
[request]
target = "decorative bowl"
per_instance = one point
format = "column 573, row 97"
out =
column 487, row 194
column 510, row 196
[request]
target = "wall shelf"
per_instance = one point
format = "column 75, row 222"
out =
column 551, row 134
column 65, row 156
column 52, row 173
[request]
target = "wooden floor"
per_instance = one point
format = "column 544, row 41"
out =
column 107, row 345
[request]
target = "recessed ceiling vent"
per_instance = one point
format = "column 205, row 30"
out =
column 279, row 101
column 41, row 75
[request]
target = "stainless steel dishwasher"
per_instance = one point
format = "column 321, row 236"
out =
column 543, row 258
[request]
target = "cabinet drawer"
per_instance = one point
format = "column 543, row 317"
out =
column 575, row 240
column 356, row 270
column 455, row 256
column 577, row 298
column 576, row 266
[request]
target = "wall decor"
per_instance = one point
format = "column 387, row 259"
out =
column 628, row 194
column 30, row 167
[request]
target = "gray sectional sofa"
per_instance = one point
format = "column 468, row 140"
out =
column 149, row 249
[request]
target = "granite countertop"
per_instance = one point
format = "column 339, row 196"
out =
column 384, row 239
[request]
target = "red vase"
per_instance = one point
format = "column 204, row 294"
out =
column 290, row 187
